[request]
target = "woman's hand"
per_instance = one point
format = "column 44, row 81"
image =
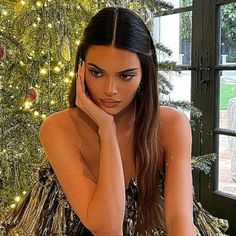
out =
column 84, row 102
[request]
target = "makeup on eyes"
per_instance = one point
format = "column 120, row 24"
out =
column 96, row 69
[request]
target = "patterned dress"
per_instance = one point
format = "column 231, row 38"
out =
column 45, row 211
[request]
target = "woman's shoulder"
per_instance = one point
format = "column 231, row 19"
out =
column 62, row 117
column 64, row 120
column 168, row 115
column 170, row 112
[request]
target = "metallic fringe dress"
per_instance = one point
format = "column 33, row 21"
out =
column 45, row 211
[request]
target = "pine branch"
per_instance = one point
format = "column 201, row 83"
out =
column 164, row 82
column 204, row 162
column 169, row 66
column 159, row 5
column 163, row 48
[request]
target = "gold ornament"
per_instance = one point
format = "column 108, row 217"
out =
column 65, row 49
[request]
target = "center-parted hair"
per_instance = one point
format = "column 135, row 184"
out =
column 122, row 28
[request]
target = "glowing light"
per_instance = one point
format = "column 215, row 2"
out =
column 36, row 113
column 43, row 71
column 38, row 18
column 52, row 102
column 57, row 69
column 13, row 205
column 27, row 104
column 35, row 25
column 39, row 4
column 50, row 25
column 23, row 2
column 24, row 192
column 77, row 42
column 22, row 63
column 17, row 199
column 66, row 80
column 72, row 74
column 4, row 12
column 43, row 116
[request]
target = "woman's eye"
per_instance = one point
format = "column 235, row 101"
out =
column 95, row 73
column 127, row 77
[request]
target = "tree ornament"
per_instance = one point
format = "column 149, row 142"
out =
column 32, row 94
column 65, row 49
column 2, row 52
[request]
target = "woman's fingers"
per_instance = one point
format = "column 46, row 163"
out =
column 80, row 80
column 81, row 73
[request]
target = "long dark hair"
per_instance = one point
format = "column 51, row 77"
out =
column 124, row 29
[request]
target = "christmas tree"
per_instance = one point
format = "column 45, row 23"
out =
column 38, row 41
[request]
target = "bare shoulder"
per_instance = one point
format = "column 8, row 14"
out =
column 169, row 113
column 172, row 123
column 61, row 119
column 168, row 116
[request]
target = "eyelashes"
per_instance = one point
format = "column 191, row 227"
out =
column 95, row 73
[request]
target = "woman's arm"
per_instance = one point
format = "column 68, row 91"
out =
column 178, row 201
column 100, row 206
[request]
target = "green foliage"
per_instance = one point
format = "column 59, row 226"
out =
column 227, row 91
column 204, row 162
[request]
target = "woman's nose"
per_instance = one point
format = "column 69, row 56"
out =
column 110, row 87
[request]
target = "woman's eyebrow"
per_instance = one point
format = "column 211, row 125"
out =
column 131, row 69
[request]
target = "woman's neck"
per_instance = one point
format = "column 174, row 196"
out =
column 125, row 119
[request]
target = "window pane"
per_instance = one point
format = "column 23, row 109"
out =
column 181, row 3
column 228, row 34
column 227, row 102
column 175, row 36
column 227, row 164
column 181, row 87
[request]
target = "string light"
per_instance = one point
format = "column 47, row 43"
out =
column 36, row 113
column 66, row 80
column 50, row 25
column 52, row 102
column 23, row 2
column 39, row 4
column 43, row 72
column 27, row 104
column 13, row 205
column 4, row 12
column 56, row 69
column 72, row 74
column 17, row 199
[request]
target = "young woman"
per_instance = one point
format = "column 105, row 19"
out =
column 118, row 163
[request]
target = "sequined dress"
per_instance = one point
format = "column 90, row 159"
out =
column 45, row 211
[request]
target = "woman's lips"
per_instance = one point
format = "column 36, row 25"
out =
column 109, row 103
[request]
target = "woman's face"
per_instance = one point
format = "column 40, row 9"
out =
column 112, row 74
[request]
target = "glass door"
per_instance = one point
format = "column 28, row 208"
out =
column 215, row 94
column 202, row 36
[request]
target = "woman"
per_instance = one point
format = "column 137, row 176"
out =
column 110, row 152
